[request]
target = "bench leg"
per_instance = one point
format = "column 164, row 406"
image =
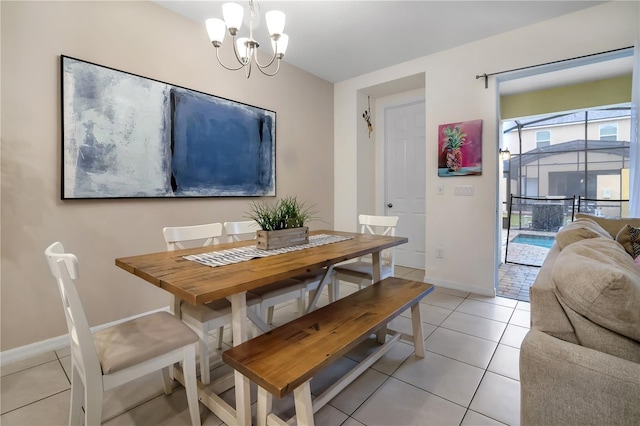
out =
column 264, row 406
column 416, row 322
column 304, row 407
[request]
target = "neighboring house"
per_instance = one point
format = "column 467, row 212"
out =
column 555, row 153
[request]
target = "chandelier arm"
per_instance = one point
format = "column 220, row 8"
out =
column 255, row 57
column 268, row 74
column 223, row 65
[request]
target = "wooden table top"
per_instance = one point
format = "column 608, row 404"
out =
column 199, row 284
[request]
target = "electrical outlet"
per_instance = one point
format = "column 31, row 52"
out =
column 440, row 189
column 439, row 252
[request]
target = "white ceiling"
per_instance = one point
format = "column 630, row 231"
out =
column 338, row 40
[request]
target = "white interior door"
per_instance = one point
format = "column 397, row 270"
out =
column 405, row 159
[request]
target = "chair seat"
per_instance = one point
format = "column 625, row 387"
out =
column 362, row 270
column 278, row 288
column 209, row 312
column 213, row 310
column 140, row 339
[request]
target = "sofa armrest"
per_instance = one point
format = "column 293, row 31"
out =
column 564, row 383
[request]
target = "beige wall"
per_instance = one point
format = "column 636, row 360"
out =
column 145, row 39
column 468, row 227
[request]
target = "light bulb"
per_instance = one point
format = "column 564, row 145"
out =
column 216, row 29
column 280, row 46
column 275, row 22
column 243, row 49
column 232, row 13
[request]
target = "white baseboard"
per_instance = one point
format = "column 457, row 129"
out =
column 461, row 287
column 37, row 348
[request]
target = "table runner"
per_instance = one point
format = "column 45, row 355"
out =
column 242, row 254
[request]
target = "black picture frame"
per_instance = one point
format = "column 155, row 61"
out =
column 128, row 136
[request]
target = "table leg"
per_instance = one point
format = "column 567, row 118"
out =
column 323, row 282
column 239, row 326
column 377, row 273
column 177, row 312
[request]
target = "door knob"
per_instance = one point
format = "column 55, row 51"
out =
column 389, row 205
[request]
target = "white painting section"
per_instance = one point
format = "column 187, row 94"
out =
column 115, row 136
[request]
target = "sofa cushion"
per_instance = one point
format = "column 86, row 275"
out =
column 611, row 225
column 547, row 314
column 597, row 279
column 579, row 230
column 629, row 237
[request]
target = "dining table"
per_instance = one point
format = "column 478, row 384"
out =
column 197, row 283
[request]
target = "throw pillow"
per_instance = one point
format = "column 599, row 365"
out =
column 629, row 237
column 579, row 230
column 611, row 225
column 597, row 279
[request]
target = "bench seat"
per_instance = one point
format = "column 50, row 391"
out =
column 286, row 358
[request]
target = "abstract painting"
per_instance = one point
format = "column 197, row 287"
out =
column 127, row 136
column 460, row 148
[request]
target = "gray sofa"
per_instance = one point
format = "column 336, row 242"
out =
column 580, row 362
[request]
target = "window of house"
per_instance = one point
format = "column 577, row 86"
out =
column 609, row 132
column 543, row 138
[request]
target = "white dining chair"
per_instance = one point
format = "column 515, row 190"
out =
column 280, row 292
column 360, row 272
column 119, row 354
column 200, row 318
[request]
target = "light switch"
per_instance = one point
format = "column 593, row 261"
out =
column 440, row 189
column 463, row 190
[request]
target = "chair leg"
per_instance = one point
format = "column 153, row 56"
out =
column 167, row 383
column 189, row 370
column 77, row 394
column 93, row 395
column 220, row 336
column 301, row 304
column 334, row 288
column 270, row 315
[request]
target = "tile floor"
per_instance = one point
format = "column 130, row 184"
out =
column 469, row 375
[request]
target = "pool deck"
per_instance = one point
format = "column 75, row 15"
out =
column 515, row 279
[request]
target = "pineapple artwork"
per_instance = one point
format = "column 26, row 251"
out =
column 454, row 139
column 460, row 148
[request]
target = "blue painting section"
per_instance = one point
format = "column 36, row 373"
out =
column 220, row 147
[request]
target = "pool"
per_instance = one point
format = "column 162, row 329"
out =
column 545, row 241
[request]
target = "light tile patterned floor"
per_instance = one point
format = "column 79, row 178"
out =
column 469, row 375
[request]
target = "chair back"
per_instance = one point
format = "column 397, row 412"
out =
column 380, row 225
column 64, row 268
column 176, row 236
column 237, row 231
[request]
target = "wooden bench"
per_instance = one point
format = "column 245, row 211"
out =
column 286, row 358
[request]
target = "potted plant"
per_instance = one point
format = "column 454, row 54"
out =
column 454, row 139
column 282, row 223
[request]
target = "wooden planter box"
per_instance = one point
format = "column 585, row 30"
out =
column 270, row 240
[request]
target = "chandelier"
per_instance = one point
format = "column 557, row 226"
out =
column 246, row 48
